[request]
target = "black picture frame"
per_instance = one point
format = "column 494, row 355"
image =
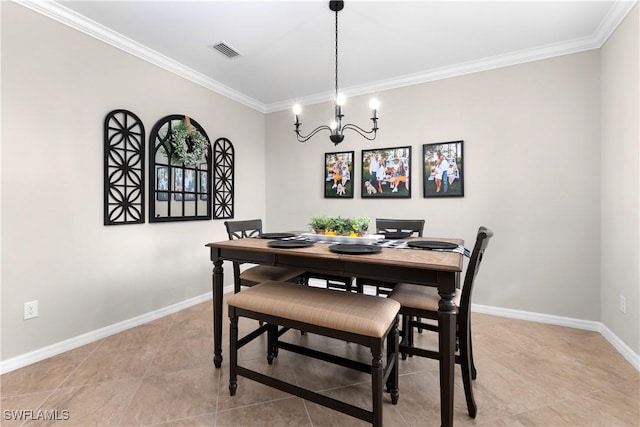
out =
column 338, row 175
column 395, row 166
column 447, row 181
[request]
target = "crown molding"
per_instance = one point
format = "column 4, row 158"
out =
column 618, row 11
column 470, row 67
column 53, row 10
column 68, row 17
column 616, row 15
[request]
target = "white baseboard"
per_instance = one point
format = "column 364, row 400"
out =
column 589, row 325
column 80, row 340
column 622, row 348
column 75, row 342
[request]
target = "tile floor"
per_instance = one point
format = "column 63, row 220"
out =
column 161, row 373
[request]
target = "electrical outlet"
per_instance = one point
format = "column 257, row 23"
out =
column 30, row 310
column 623, row 304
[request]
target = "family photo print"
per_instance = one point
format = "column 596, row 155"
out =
column 443, row 169
column 338, row 174
column 385, row 173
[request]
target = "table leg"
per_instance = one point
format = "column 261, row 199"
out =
column 447, row 347
column 218, row 288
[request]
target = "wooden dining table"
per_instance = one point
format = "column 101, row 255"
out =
column 423, row 267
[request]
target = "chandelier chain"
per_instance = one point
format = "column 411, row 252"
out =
column 336, row 54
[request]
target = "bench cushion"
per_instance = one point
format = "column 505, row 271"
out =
column 343, row 311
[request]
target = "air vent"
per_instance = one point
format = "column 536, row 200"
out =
column 225, row 49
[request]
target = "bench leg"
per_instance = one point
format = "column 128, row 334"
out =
column 233, row 350
column 376, row 384
column 406, row 330
column 392, row 356
column 272, row 346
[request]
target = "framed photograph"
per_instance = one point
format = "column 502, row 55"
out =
column 177, row 184
column 443, row 169
column 338, row 175
column 386, row 173
column 162, row 183
column 203, row 182
column 190, row 184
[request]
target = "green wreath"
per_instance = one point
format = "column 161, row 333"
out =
column 186, row 147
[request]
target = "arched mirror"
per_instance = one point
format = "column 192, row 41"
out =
column 179, row 170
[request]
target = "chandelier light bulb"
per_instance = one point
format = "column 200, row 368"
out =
column 297, row 109
column 340, row 100
column 333, row 125
column 374, row 104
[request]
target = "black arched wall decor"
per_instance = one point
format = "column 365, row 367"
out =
column 223, row 179
column 123, row 168
column 179, row 180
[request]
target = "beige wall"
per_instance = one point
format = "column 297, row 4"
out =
column 57, row 87
column 535, row 136
column 620, row 184
column 532, row 165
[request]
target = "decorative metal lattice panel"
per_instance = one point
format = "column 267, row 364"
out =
column 123, row 168
column 223, row 160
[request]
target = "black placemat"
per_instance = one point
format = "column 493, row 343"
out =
column 430, row 244
column 289, row 244
column 354, row 249
column 396, row 235
column 276, row 235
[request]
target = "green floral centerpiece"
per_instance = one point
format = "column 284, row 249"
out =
column 320, row 223
column 352, row 227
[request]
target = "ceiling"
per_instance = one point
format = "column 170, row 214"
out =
column 287, row 47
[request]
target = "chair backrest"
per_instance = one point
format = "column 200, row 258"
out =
column 482, row 241
column 242, row 229
column 415, row 226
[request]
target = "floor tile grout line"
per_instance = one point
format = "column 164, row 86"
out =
column 556, row 401
column 78, row 366
column 304, row 401
column 134, row 394
column 249, row 405
column 59, row 386
column 179, row 419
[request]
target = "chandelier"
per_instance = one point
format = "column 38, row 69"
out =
column 336, row 128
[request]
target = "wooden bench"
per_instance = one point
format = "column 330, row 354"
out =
column 362, row 319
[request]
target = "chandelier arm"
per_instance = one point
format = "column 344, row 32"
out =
column 305, row 138
column 361, row 131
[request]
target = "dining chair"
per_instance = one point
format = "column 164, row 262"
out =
column 413, row 226
column 422, row 302
column 259, row 273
